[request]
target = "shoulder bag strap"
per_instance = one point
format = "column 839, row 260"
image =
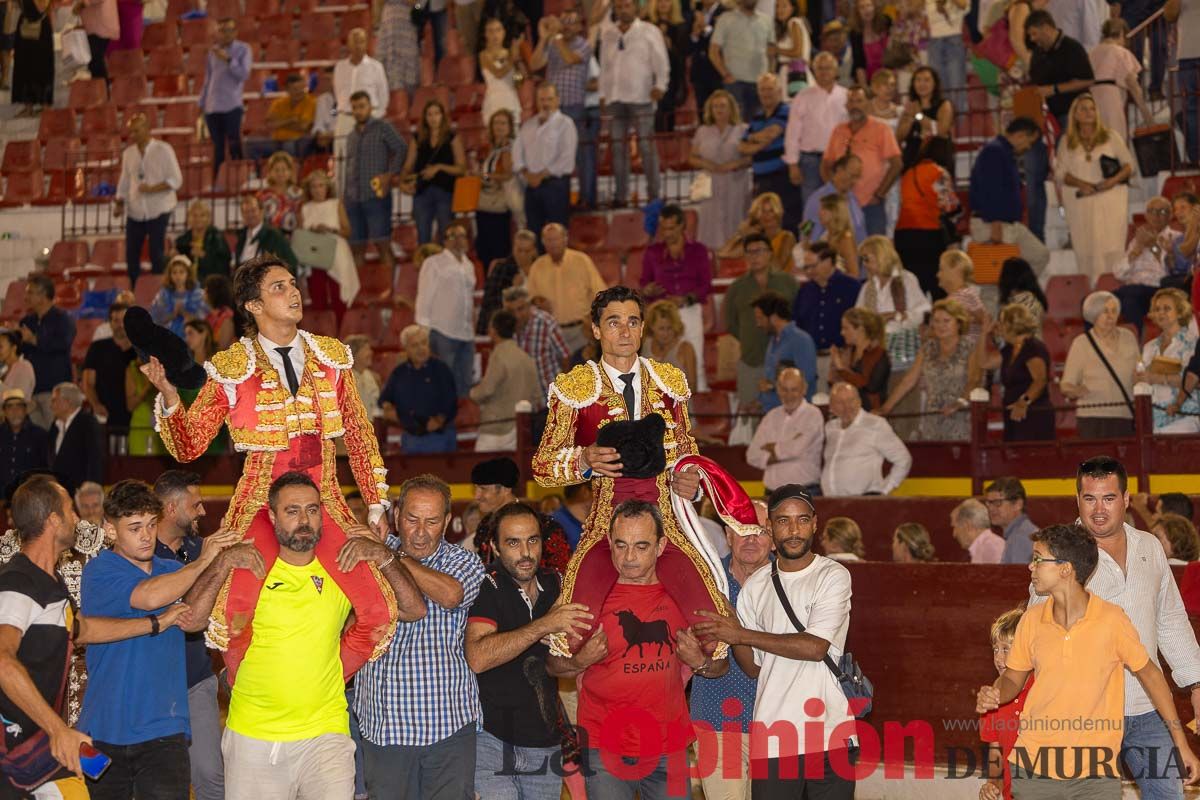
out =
column 787, row 609
column 1111, row 371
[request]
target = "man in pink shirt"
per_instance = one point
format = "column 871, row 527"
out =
column 812, row 116
column 875, row 145
column 973, row 531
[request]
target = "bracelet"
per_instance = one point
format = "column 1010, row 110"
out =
column 391, row 558
column 154, row 625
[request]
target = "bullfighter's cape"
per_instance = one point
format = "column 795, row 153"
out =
column 581, row 402
column 280, row 433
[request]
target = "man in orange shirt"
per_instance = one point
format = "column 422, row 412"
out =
column 1076, row 645
column 874, row 143
column 290, row 120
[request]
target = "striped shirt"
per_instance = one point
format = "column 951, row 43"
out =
column 421, row 690
column 769, row 160
column 569, row 79
column 542, row 339
column 1146, row 591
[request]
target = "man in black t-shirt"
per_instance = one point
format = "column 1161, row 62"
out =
column 1061, row 70
column 515, row 610
column 37, row 628
column 104, row 372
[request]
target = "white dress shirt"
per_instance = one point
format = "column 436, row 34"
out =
column 546, row 146
column 295, row 355
column 632, row 63
column 60, row 428
column 614, row 376
column 367, row 76
column 445, row 296
column 1146, row 591
column 156, row 165
column 797, row 437
column 854, row 457
column 812, row 116
column 250, row 248
column 325, row 116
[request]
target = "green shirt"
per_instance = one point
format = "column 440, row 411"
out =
column 739, row 313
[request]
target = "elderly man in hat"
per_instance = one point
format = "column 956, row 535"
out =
column 22, row 444
column 495, row 483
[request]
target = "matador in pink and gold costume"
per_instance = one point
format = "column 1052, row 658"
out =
column 284, row 431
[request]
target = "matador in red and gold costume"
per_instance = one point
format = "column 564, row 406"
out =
column 284, row 410
column 584, row 401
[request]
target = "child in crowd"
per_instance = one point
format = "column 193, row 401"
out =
column 998, row 728
column 1077, row 646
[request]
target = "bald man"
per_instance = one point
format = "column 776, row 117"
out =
column 150, row 176
column 787, row 444
column 568, row 280
column 857, row 443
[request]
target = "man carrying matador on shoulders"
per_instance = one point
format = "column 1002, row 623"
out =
column 623, row 424
column 286, row 395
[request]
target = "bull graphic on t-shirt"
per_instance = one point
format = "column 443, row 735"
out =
column 638, row 633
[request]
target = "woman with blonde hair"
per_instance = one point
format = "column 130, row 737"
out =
column 833, row 213
column 203, row 243
column 765, row 217
column 956, row 277
column 715, row 150
column 181, row 299
column 911, row 544
column 323, row 212
column 664, row 339
column 894, row 294
column 942, row 369
column 1164, row 358
column 863, row 362
column 842, row 540
column 1094, row 165
column 1024, row 364
column 280, row 197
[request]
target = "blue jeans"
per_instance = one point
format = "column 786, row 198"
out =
column 548, row 202
column 746, row 94
column 1037, row 167
column 587, row 128
column 360, row 776
column 1146, row 748
column 430, row 205
column 810, row 171
column 602, row 785
column 225, row 129
column 443, row 441
column 439, row 21
column 138, row 231
column 875, row 218
column 1189, row 85
column 639, row 117
column 507, row 772
column 948, row 56
column 459, row 356
column 370, row 220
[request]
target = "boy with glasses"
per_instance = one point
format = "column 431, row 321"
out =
column 1075, row 645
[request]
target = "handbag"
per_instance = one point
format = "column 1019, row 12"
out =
column 855, row 685
column 31, row 764
column 466, row 194
column 701, row 188
column 31, row 29
column 1155, row 149
column 989, row 259
column 314, row 249
column 1109, row 166
column 76, row 51
column 1112, row 372
column 492, row 198
column 996, row 46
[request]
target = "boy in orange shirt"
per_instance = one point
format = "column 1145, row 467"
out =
column 1076, row 645
column 999, row 727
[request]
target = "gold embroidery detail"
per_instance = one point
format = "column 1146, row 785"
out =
column 233, row 364
column 578, row 388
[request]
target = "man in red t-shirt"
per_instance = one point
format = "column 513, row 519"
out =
column 633, row 670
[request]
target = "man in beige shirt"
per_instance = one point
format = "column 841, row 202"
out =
column 511, row 377
column 568, row 280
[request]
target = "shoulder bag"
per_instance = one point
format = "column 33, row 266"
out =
column 855, row 685
column 31, row 29
column 1111, row 371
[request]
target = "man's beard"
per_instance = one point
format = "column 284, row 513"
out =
column 301, row 540
column 189, row 528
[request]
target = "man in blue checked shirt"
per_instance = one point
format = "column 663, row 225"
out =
column 418, row 704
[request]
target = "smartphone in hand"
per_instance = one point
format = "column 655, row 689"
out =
column 93, row 762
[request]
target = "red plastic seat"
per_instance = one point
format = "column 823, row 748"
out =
column 286, row 51
column 586, row 231
column 160, row 35
column 261, row 8
column 322, row 323
column 626, row 231
column 197, row 180
column 22, row 188
column 68, row 293
column 717, row 427
column 65, row 185
column 128, row 90
column 299, row 8
column 731, row 267
column 13, row 307
column 85, row 329
column 147, row 288
column 173, row 85
column 375, row 286
column 276, row 26
column 323, row 50
column 355, row 18
column 99, row 120
column 222, row 9
column 197, row 31
column 56, row 123
column 255, row 121
column 196, row 63
column 456, row 70
column 1065, row 294
column 425, row 94
column 21, row 156
column 87, row 94
column 633, row 266
column 126, row 63
column 107, row 252
column 402, row 317
column 1107, row 282
column 232, row 176
column 67, row 255
column 608, row 264
column 315, row 27
column 166, row 61
column 365, row 321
